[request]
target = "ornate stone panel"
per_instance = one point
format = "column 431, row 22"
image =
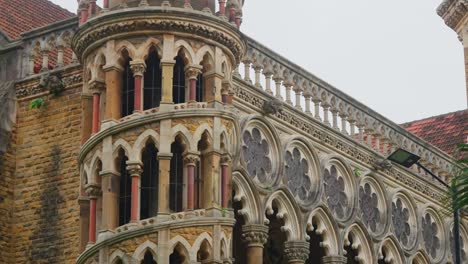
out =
column 369, row 203
column 404, row 222
column 430, row 234
column 335, row 191
column 256, row 150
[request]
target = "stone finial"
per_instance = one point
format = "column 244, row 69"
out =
column 255, row 234
column 272, row 107
column 296, row 251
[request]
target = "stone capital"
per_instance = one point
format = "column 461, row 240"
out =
column 112, row 67
column 225, row 159
column 191, row 158
column 134, row 168
column 93, row 190
column 255, row 235
column 97, row 85
column 192, row 71
column 296, row 251
column 138, row 68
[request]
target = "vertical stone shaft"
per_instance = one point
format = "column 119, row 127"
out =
column 86, row 121
column 113, row 92
column 224, row 184
column 163, row 191
column 96, row 111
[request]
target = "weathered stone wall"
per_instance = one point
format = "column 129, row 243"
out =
column 46, row 212
column 7, row 169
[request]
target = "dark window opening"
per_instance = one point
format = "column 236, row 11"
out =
column 176, row 177
column 316, row 252
column 274, row 248
column 176, row 257
column 238, row 246
column 178, row 85
column 152, row 90
column 384, row 256
column 128, row 90
column 148, row 258
column 125, row 192
column 200, row 89
column 149, row 182
column 351, row 254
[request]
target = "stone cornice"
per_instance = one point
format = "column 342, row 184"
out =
column 453, row 12
column 249, row 97
column 137, row 21
column 150, row 118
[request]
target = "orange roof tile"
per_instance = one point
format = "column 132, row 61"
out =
column 19, row 16
column 443, row 131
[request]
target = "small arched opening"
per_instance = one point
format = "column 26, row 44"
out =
column 176, row 178
column 128, row 86
column 152, row 89
column 125, row 188
column 149, row 182
column 273, row 252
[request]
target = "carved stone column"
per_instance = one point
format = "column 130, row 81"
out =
column 113, row 92
column 135, row 170
column 84, row 222
column 191, row 73
column 93, row 191
column 334, row 260
column 255, row 236
column 138, row 68
column 190, row 161
column 225, row 181
column 296, row 252
column 96, row 86
column 110, row 199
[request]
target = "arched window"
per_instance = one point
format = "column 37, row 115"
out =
column 178, row 85
column 384, row 256
column 351, row 253
column 316, row 252
column 176, row 177
column 152, row 83
column 274, row 248
column 128, row 88
column 148, row 259
column 149, row 182
column 125, row 192
column 238, row 246
column 203, row 145
column 176, row 257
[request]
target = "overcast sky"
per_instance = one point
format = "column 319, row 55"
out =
column 398, row 57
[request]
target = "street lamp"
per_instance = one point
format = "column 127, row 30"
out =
column 408, row 159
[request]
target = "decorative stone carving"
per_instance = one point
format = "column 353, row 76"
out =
column 30, row 90
column 255, row 234
column 52, row 82
column 430, row 232
column 138, row 68
column 256, row 155
column 400, row 220
column 296, row 251
column 335, row 191
column 382, row 164
column 369, row 203
column 93, row 190
column 297, row 174
column 272, row 106
column 462, row 246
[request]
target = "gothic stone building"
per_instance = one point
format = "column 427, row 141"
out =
column 150, row 131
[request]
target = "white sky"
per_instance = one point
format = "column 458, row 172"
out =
column 398, row 57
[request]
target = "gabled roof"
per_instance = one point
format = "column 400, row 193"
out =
column 443, row 131
column 19, row 16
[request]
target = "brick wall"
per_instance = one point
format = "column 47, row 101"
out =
column 46, row 211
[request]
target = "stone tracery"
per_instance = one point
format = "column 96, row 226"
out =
column 368, row 201
column 400, row 219
column 256, row 155
column 297, row 173
column 430, row 235
column 336, row 197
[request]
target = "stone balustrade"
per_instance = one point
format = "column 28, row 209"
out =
column 302, row 91
column 227, row 10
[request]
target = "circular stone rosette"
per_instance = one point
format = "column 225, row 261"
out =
column 404, row 220
column 339, row 188
column 301, row 172
column 260, row 152
column 373, row 206
column 432, row 234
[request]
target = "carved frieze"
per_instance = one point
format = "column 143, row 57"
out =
column 30, row 89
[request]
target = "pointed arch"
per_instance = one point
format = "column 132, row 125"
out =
column 182, row 45
column 122, row 144
column 184, row 134
column 145, row 48
column 197, row 136
column 198, row 243
column 327, row 228
column 249, row 198
column 394, row 253
column 420, row 258
column 289, row 212
column 205, row 50
column 125, row 45
column 143, row 139
column 94, row 166
column 183, row 247
column 118, row 255
column 361, row 241
column 139, row 253
column 225, row 248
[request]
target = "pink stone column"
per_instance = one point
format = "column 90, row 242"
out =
column 92, row 7
column 93, row 191
column 190, row 161
column 96, row 111
column 222, row 7
column 191, row 73
column 135, row 172
column 193, row 90
column 106, row 4
column 138, row 69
